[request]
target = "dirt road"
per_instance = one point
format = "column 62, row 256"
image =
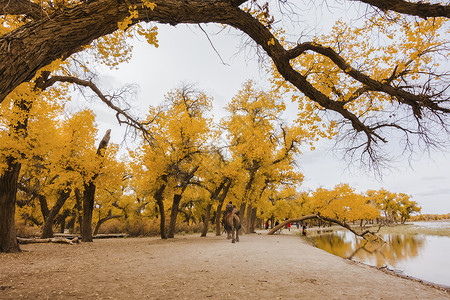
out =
column 190, row 267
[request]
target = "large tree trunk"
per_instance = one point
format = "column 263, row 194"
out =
column 207, row 220
column 44, row 206
column 253, row 219
column 222, row 197
column 243, row 218
column 8, row 191
column 248, row 219
column 79, row 209
column 214, row 196
column 47, row 229
column 9, row 182
column 88, row 209
column 89, row 194
column 218, row 218
column 160, row 201
column 173, row 215
column 185, row 180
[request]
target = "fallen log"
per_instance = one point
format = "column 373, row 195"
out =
column 98, row 236
column 48, row 240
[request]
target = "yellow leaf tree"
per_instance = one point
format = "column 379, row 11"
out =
column 261, row 144
column 181, row 134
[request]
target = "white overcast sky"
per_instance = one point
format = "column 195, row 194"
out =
column 185, row 55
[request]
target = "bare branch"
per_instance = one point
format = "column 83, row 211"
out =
column 128, row 119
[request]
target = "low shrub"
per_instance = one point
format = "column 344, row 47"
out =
column 145, row 227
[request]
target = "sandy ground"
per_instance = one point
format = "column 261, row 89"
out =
column 190, row 267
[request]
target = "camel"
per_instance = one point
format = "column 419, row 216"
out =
column 231, row 222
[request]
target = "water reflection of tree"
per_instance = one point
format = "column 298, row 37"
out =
column 395, row 248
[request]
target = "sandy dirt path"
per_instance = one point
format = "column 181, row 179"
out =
column 190, row 267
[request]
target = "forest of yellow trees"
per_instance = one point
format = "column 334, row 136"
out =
column 54, row 175
column 183, row 171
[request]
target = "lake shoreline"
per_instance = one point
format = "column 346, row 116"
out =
column 393, row 272
column 415, row 251
column 384, row 269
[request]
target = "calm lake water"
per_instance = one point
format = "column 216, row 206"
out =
column 424, row 257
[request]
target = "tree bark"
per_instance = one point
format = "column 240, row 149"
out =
column 88, row 209
column 173, row 215
column 8, row 191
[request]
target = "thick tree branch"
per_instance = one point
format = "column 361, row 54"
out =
column 27, row 49
column 420, row 9
column 338, row 222
column 416, row 102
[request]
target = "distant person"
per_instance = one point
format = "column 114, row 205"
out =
column 267, row 224
column 298, row 225
column 304, row 230
column 289, row 226
column 229, row 207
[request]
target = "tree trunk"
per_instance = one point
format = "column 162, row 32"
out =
column 243, row 218
column 222, row 197
column 89, row 194
column 173, row 215
column 253, row 219
column 248, row 218
column 44, row 206
column 159, row 200
column 49, row 240
column 47, row 229
column 103, row 220
column 218, row 217
column 79, row 209
column 8, row 191
column 9, row 182
column 62, row 220
column 207, row 219
column 88, row 208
